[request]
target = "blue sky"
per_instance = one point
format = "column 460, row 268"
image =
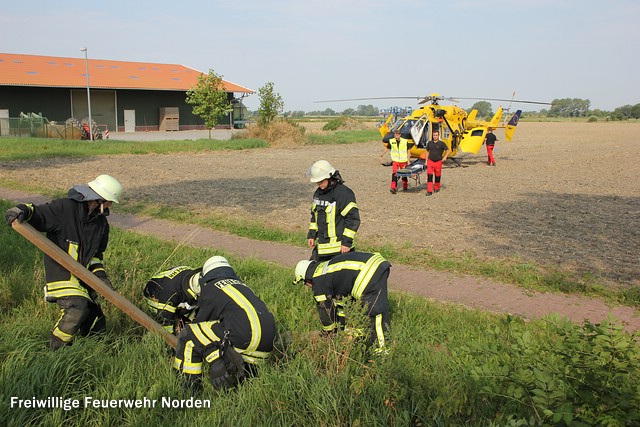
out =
column 318, row 50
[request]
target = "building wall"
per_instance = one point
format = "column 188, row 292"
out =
column 56, row 105
column 53, row 103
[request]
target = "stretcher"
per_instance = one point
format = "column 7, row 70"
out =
column 413, row 171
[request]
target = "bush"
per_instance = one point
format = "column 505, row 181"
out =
column 592, row 119
column 574, row 375
column 343, row 123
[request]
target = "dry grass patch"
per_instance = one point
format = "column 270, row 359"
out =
column 280, row 134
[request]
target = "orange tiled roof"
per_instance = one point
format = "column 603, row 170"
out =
column 54, row 71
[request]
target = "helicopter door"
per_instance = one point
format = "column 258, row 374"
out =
column 420, row 131
column 472, row 140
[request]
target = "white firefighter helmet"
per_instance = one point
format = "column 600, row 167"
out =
column 320, row 170
column 213, row 263
column 301, row 270
column 107, row 187
column 194, row 283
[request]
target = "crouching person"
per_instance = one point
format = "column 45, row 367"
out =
column 172, row 295
column 359, row 275
column 233, row 330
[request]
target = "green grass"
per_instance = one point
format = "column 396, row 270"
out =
column 445, row 366
column 343, row 137
column 30, row 148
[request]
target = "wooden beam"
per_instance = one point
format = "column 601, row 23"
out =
column 78, row 270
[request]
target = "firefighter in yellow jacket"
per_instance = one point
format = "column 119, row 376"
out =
column 78, row 225
column 334, row 213
column 233, row 330
column 359, row 275
column 172, row 295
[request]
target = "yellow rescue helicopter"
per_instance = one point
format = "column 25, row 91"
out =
column 459, row 130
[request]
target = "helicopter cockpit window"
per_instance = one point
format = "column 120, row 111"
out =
column 477, row 132
column 405, row 130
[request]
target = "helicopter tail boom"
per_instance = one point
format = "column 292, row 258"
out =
column 510, row 129
column 495, row 121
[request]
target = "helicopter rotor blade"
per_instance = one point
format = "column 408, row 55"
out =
column 507, row 100
column 368, row 99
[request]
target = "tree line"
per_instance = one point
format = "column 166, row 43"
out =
column 566, row 107
column 210, row 102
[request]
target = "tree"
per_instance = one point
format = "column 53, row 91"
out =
column 483, row 107
column 209, row 99
column 569, row 107
column 271, row 104
column 367, row 110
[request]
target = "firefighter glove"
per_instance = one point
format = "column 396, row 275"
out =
column 14, row 213
column 103, row 276
column 219, row 376
column 234, row 362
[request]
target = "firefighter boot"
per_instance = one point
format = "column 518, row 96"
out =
column 192, row 382
column 56, row 343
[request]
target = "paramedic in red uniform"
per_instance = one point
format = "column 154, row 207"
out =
column 490, row 140
column 437, row 152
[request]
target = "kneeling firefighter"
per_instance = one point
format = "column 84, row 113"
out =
column 172, row 297
column 233, row 330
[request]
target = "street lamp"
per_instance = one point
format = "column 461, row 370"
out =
column 86, row 64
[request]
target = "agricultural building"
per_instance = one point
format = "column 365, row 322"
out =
column 125, row 96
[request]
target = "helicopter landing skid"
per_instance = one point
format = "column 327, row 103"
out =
column 458, row 164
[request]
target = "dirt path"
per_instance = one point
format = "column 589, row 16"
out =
column 469, row 291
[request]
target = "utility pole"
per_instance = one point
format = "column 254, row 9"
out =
column 86, row 65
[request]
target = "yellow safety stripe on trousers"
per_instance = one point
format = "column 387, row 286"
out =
column 187, row 365
column 347, row 209
column 379, row 331
column 164, row 306
column 71, row 288
column 349, row 233
column 252, row 314
column 255, row 356
column 93, row 261
column 62, row 335
column 203, row 332
column 331, row 327
column 365, row 275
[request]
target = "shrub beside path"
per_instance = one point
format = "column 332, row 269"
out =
column 472, row 292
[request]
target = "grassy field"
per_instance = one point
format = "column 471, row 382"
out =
column 447, row 365
column 32, row 148
column 524, row 273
